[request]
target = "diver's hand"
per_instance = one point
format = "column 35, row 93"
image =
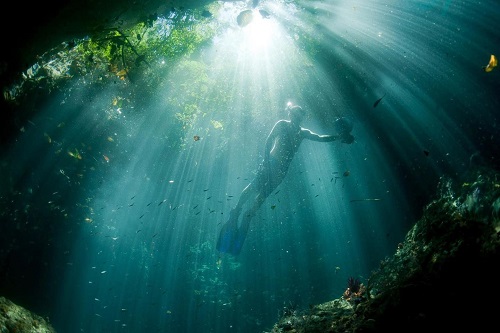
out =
column 347, row 138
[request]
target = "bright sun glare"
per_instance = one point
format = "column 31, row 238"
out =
column 259, row 33
column 253, row 31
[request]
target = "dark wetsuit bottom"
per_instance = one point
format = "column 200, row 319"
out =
column 269, row 177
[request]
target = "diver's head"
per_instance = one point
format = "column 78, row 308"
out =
column 296, row 113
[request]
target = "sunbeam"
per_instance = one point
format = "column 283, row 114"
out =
column 131, row 146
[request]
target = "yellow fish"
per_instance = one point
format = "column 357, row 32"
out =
column 122, row 74
column 75, row 154
column 492, row 64
column 48, row 137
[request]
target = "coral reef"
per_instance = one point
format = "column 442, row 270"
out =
column 16, row 319
column 355, row 291
column 440, row 278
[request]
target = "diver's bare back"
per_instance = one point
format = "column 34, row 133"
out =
column 287, row 139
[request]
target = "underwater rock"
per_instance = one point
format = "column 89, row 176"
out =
column 245, row 17
column 14, row 318
column 440, row 276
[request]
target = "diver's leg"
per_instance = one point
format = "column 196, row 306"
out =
column 245, row 195
column 231, row 236
column 250, row 213
column 234, row 214
column 260, row 190
column 245, row 224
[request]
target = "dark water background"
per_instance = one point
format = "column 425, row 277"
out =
column 123, row 239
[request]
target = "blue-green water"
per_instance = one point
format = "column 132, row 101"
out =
column 111, row 211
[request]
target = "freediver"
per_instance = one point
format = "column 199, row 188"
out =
column 281, row 145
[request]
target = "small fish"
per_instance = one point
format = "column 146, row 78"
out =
column 492, row 64
column 75, row 154
column 377, row 101
column 196, row 138
column 49, row 140
column 61, row 171
column 368, row 199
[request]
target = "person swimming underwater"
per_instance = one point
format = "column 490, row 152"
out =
column 282, row 144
